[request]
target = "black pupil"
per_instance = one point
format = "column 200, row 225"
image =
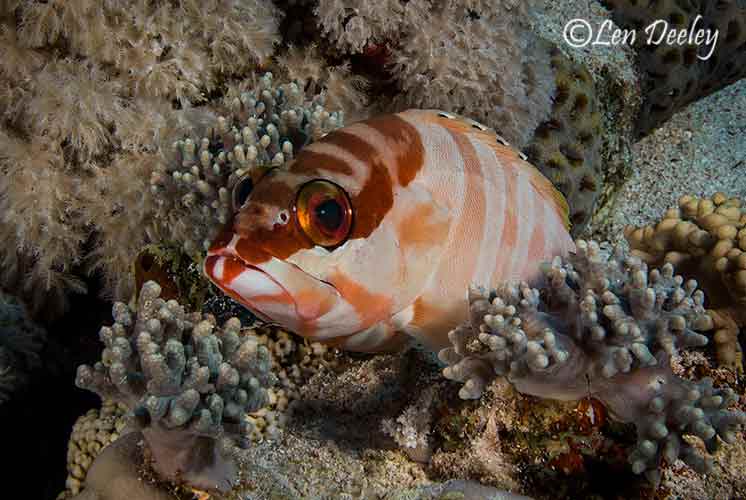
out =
column 242, row 192
column 329, row 214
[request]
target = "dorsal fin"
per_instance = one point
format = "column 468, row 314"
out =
column 512, row 157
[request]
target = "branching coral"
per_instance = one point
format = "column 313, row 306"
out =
column 705, row 238
column 188, row 383
column 193, row 185
column 340, row 88
column 602, row 325
column 294, row 361
column 180, row 194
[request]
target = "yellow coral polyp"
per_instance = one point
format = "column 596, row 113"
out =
column 705, row 238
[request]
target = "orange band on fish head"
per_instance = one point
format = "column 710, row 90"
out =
column 261, row 239
column 324, row 211
column 374, row 199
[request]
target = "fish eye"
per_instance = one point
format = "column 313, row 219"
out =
column 241, row 191
column 324, row 212
column 245, row 185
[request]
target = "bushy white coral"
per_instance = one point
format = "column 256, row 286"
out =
column 471, row 57
column 340, row 88
column 354, row 24
column 89, row 88
column 478, row 60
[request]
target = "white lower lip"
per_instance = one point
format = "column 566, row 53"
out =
column 217, row 270
column 255, row 289
column 253, row 283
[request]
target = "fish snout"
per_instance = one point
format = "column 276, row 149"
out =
column 275, row 291
column 252, row 288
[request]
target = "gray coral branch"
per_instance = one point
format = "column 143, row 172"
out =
column 601, row 324
column 188, row 382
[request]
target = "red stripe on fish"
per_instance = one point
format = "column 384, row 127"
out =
column 209, row 267
column 261, row 240
column 510, row 226
column 373, row 202
column 405, row 141
column 222, row 278
column 375, row 198
column 370, row 307
column 537, row 244
column 471, row 226
column 356, row 146
column 250, row 252
column 312, row 162
column 231, row 269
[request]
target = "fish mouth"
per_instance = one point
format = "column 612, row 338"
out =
column 246, row 284
column 300, row 299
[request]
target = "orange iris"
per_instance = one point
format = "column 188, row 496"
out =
column 324, row 212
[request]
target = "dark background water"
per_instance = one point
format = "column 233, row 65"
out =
column 36, row 422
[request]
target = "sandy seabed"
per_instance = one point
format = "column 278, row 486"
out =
column 700, row 151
